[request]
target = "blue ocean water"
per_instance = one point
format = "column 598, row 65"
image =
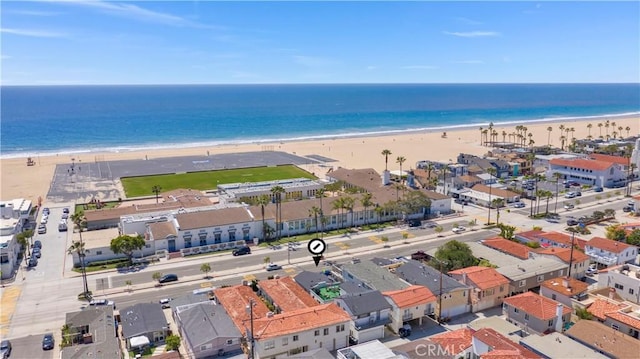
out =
column 68, row 119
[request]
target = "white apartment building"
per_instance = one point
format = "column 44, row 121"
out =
column 14, row 215
column 607, row 252
column 296, row 188
column 625, row 279
column 588, row 172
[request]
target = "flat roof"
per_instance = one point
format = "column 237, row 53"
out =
column 96, row 239
column 556, row 345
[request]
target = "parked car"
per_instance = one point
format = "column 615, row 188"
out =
column 598, row 189
column 46, row 211
column 62, row 226
column 627, row 209
column 272, row 266
column 37, row 244
column 65, row 216
column 42, row 229
column 241, row 251
column 570, row 195
column 575, row 184
column 65, row 210
column 631, row 203
column 33, row 262
column 36, row 252
column 48, row 342
column 578, row 193
column 5, row 349
column 98, row 302
column 414, row 223
column 568, row 206
column 168, row 278
column 165, row 302
column 458, row 229
column 519, row 205
column 44, row 220
column 572, row 222
column 593, row 269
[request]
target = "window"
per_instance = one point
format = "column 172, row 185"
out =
column 98, row 253
column 295, row 338
column 630, row 290
column 516, row 310
column 232, row 236
column 229, row 341
column 187, row 242
column 522, row 283
column 316, row 333
column 325, row 331
column 619, row 286
column 269, row 345
column 4, row 258
column 217, row 237
column 526, row 316
column 615, row 327
column 203, row 241
column 540, row 278
column 553, row 296
column 550, row 323
column 339, row 328
column 285, row 341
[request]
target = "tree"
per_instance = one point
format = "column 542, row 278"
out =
column 506, row 231
column 455, row 255
column 439, row 230
column 23, row 240
column 80, row 222
column 338, row 204
column 386, row 153
column 583, row 313
column 263, row 201
column 314, row 212
column 610, row 213
column 266, row 260
column 277, row 192
column 415, row 202
column 125, row 244
column 366, row 202
column 156, row 276
column 128, row 283
column 497, row 202
column 616, row 233
column 557, row 176
column 491, row 171
column 589, row 126
column 320, row 196
column 205, row 268
column 172, row 342
column 400, row 160
column 634, row 237
column 156, row 189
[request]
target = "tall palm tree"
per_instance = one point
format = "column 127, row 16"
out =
column 589, row 128
column 263, row 201
column 429, row 170
column 485, row 132
column 80, row 222
column 504, row 136
column 400, row 160
column 547, row 195
column 277, row 192
column 557, row 176
column 349, row 203
column 562, row 141
column 366, row 202
column 498, row 202
column 606, row 127
column 314, row 212
column 627, row 129
column 481, row 133
column 386, row 154
column 156, row 189
column 320, row 195
column 627, row 154
column 620, row 129
column 338, row 205
column 600, row 128
column 379, row 211
column 444, row 170
column 23, row 240
column 491, row 172
column 549, row 136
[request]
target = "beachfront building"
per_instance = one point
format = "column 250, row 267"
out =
column 294, row 189
column 14, row 215
column 588, row 172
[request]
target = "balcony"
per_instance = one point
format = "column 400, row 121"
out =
column 369, row 325
column 407, row 317
column 596, row 256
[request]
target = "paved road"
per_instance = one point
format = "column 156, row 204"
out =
column 30, row 347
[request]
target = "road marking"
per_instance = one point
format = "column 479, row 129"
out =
column 342, row 246
column 109, row 282
column 375, row 239
column 249, row 277
column 290, row 270
column 8, row 303
column 409, row 235
column 206, row 285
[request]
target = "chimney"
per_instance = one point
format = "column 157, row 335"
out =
column 565, row 282
column 612, row 293
column 559, row 322
column 464, row 277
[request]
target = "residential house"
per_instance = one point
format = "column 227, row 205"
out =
column 410, row 304
column 551, row 239
column 579, row 261
column 487, row 343
column 318, row 285
column 370, row 350
column 484, row 195
column 558, row 345
column 456, row 342
column 564, row 290
column 371, row 276
column 604, row 340
column 606, row 252
column 625, row 279
column 529, row 274
column 453, row 296
column 14, row 215
column 506, row 246
column 588, row 172
column 625, row 320
column 498, row 324
column 323, row 326
column 601, row 306
column 489, row 286
column 466, row 181
column 207, row 330
column 535, row 313
column 92, row 334
column 369, row 312
column 143, row 321
column 285, row 294
column 236, row 300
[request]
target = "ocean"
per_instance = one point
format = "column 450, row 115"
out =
column 74, row 119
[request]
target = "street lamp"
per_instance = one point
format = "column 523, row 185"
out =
column 249, row 309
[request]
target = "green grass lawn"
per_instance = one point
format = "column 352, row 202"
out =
column 208, row 180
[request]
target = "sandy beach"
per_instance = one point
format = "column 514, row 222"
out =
column 20, row 180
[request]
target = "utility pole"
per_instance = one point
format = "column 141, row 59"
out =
column 252, row 341
column 440, row 290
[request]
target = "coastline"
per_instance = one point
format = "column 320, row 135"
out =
column 363, row 151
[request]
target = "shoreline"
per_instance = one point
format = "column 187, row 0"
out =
column 395, row 132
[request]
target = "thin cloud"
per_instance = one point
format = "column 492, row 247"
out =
column 467, row 21
column 469, row 62
column 32, row 33
column 473, row 34
column 371, row 68
column 419, row 67
column 4, row 57
column 33, row 12
column 312, row 61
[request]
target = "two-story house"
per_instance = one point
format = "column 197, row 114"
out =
column 371, row 276
column 14, row 215
column 410, row 304
column 606, row 252
column 535, row 313
column 564, row 290
column 369, row 312
column 579, row 261
column 285, row 294
column 625, row 279
column 530, row 274
column 489, row 286
column 453, row 296
column 488, row 343
column 588, row 172
column 91, row 331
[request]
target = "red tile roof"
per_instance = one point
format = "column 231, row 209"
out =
column 502, row 345
column 611, row 159
column 600, row 307
column 236, row 301
column 482, row 277
column 300, row 320
column 625, row 318
column 510, row 247
column 582, row 164
column 536, row 305
column 608, row 244
column 455, row 341
column 287, row 294
column 565, row 254
column 565, row 286
column 562, row 238
column 494, row 191
column 411, row 296
column 531, row 235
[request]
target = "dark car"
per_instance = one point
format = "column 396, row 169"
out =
column 36, row 252
column 415, row 223
column 242, row 251
column 598, row 189
column 48, row 342
column 627, row 209
column 572, row 222
column 33, row 261
column 37, row 244
column 65, row 210
column 5, row 349
column 168, row 278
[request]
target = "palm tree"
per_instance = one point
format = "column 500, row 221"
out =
column 78, row 248
column 366, row 202
column 627, row 154
column 481, row 133
column 600, row 128
column 80, row 222
column 620, row 129
column 589, row 128
column 429, row 170
column 444, row 179
column 491, row 172
column 557, row 176
column 547, row 195
column 498, row 202
column 386, row 154
column 349, row 203
column 606, row 126
column 549, row 129
column 485, row 132
column 379, row 211
column 277, row 192
column 23, row 240
column 156, row 189
column 263, row 201
column 320, row 195
column 338, row 205
column 314, row 212
column 400, row 160
column 562, row 141
column 627, row 129
column 504, row 136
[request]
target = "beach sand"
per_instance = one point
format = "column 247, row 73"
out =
column 21, row 181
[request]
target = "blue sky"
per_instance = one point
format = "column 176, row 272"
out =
column 196, row 42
